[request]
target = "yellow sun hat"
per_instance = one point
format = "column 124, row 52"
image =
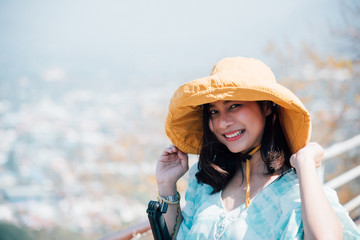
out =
column 241, row 79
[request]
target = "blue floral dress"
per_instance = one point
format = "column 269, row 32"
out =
column 274, row 213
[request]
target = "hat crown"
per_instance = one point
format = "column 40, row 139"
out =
column 245, row 67
column 234, row 79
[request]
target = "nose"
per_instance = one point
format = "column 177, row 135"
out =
column 225, row 120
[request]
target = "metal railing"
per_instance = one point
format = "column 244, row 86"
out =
column 348, row 176
column 142, row 230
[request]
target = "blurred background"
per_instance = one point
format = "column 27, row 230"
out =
column 85, row 85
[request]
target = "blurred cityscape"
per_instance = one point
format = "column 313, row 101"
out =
column 84, row 162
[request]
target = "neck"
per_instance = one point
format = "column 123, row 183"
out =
column 257, row 165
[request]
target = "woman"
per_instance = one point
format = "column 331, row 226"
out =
column 256, row 175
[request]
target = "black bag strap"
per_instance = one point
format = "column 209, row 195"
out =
column 158, row 226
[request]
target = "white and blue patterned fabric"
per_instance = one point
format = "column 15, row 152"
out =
column 275, row 213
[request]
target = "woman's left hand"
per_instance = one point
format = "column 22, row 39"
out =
column 319, row 218
column 310, row 156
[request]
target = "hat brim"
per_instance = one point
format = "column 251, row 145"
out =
column 184, row 121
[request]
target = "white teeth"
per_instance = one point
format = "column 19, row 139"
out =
column 235, row 134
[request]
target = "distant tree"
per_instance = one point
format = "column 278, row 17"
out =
column 327, row 83
column 9, row 231
column 60, row 233
column 350, row 10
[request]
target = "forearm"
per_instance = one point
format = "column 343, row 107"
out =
column 319, row 218
column 173, row 217
column 173, row 220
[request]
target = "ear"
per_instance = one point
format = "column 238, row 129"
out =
column 268, row 106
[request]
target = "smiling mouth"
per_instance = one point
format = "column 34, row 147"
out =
column 234, row 134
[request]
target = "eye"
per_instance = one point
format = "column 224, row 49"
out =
column 212, row 112
column 232, row 106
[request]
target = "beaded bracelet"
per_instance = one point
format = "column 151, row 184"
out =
column 172, row 200
column 176, row 222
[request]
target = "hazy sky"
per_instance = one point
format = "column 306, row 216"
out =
column 111, row 42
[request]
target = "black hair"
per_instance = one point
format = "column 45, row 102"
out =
column 218, row 165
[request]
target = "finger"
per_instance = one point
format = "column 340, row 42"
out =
column 169, row 150
column 184, row 159
column 182, row 155
column 318, row 162
column 171, row 146
column 173, row 149
column 185, row 164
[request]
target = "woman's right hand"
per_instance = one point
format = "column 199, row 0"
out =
column 171, row 166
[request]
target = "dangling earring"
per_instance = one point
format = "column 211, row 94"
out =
column 214, row 158
column 274, row 111
column 274, row 118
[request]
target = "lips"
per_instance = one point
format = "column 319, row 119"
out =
column 234, row 135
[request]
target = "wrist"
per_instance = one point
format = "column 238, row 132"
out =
column 172, row 199
column 167, row 189
column 305, row 168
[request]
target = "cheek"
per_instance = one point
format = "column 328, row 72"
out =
column 211, row 125
column 261, row 124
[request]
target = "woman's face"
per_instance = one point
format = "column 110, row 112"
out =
column 239, row 125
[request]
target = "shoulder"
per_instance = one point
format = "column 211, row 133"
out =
column 287, row 189
column 287, row 184
column 194, row 185
column 192, row 180
column 193, row 170
column 195, row 193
